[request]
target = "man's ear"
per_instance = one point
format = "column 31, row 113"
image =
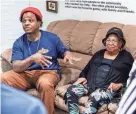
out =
column 39, row 23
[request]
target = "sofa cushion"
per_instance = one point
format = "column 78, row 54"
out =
column 112, row 107
column 63, row 29
column 5, row 61
column 6, row 55
column 76, row 64
column 83, row 35
column 59, row 103
column 70, row 72
column 5, row 66
column 69, row 75
column 130, row 36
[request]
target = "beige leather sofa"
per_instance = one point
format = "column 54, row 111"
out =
column 83, row 38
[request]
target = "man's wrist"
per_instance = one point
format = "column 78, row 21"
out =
column 66, row 52
column 31, row 59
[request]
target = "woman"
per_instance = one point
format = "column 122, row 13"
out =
column 104, row 75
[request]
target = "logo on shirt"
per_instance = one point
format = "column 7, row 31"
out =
column 43, row 51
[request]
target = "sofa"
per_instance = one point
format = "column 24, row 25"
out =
column 83, row 38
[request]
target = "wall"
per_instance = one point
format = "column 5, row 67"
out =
column 0, row 28
column 103, row 16
column 11, row 27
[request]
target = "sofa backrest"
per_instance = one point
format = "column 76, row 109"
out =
column 86, row 36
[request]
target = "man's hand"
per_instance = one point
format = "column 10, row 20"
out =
column 81, row 80
column 115, row 86
column 43, row 60
column 69, row 57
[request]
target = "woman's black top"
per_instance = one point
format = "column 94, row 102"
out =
column 118, row 71
column 102, row 72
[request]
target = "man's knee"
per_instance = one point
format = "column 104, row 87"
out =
column 45, row 85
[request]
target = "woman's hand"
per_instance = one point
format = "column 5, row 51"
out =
column 81, row 80
column 115, row 86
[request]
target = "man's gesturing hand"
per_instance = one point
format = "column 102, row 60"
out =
column 43, row 60
column 69, row 57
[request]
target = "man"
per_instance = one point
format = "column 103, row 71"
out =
column 127, row 104
column 34, row 58
column 18, row 102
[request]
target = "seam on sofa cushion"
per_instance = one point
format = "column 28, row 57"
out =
column 71, row 33
column 53, row 26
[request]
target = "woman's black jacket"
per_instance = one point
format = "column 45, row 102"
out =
column 118, row 73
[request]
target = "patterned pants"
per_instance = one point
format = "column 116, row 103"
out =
column 96, row 99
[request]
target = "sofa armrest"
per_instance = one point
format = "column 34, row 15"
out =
column 5, row 58
column 5, row 66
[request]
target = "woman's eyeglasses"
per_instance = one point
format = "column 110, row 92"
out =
column 115, row 42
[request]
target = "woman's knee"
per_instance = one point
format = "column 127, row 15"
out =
column 74, row 91
column 69, row 89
